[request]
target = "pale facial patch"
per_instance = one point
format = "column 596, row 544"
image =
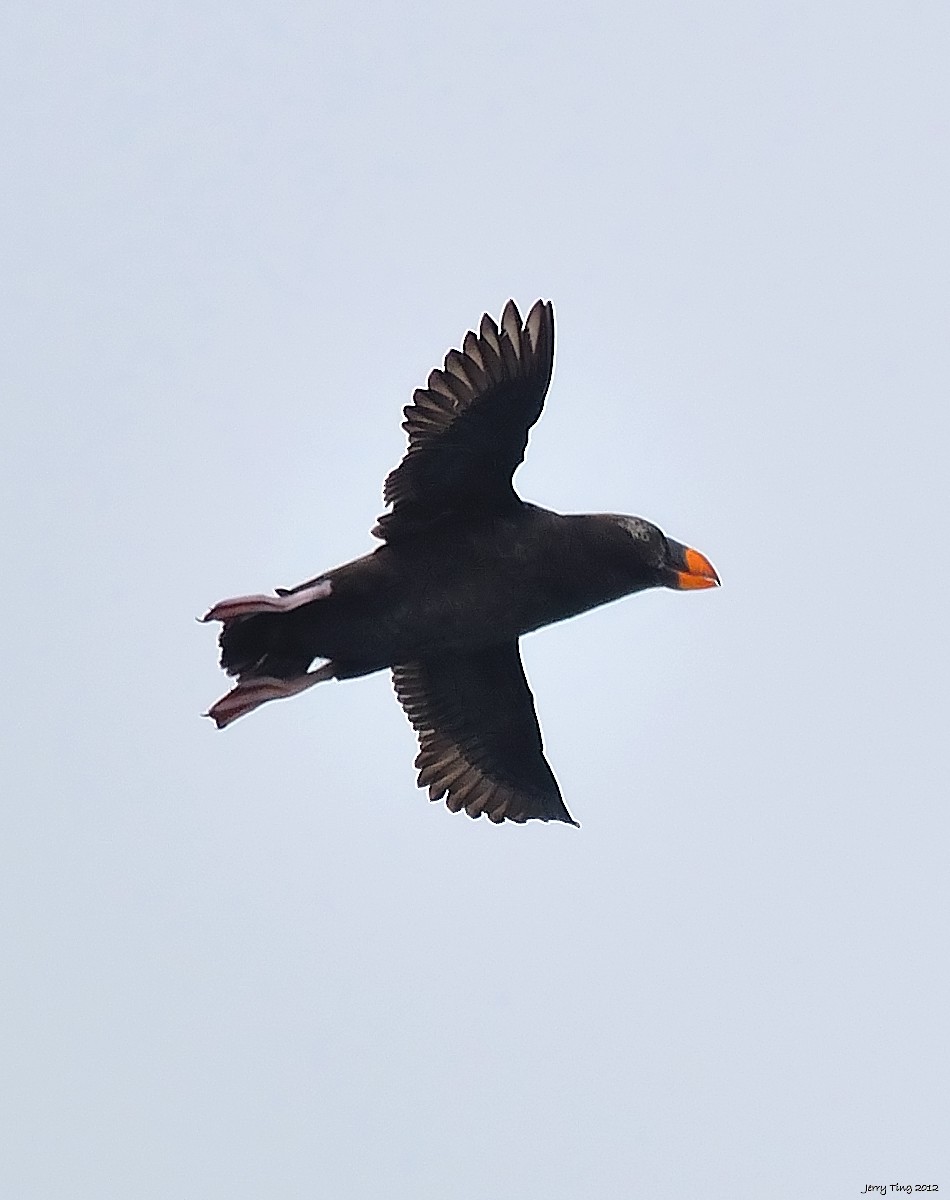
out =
column 638, row 529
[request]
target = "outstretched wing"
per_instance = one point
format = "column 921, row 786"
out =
column 478, row 732
column 468, row 428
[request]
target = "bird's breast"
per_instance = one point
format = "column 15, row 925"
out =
column 493, row 582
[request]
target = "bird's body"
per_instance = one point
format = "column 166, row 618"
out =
column 469, row 584
column 467, row 568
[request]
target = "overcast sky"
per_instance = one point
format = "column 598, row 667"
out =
column 258, row 963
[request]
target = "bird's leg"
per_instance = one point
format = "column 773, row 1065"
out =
column 252, row 692
column 249, row 606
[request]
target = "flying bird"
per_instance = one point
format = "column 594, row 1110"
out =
column 466, row 567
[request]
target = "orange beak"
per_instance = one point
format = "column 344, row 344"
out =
column 692, row 570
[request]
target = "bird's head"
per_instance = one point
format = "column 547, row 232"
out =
column 662, row 562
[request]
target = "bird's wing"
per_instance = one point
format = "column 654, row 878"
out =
column 468, row 428
column 478, row 732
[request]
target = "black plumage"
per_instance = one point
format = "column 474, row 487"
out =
column 466, row 568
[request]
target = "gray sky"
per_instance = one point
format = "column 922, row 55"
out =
column 258, row 962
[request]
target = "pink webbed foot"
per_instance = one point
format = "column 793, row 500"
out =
column 252, row 693
column 249, row 606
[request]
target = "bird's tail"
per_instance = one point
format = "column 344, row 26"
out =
column 265, row 647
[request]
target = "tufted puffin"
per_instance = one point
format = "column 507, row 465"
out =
column 466, row 567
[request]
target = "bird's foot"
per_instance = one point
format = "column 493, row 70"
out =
column 252, row 693
column 249, row 606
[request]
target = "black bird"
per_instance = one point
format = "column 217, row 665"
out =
column 466, row 568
